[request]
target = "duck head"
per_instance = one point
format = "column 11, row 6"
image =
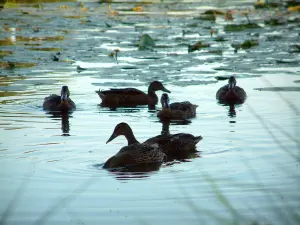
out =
column 164, row 100
column 64, row 94
column 120, row 129
column 231, row 83
column 157, row 86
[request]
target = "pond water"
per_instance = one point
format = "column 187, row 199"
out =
column 247, row 170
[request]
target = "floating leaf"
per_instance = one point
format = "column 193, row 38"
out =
column 275, row 22
column 197, row 46
column 5, row 53
column 137, row 9
column 146, row 42
column 6, row 41
column 74, row 17
column 240, row 27
column 27, row 39
column 263, row 5
column 220, row 39
column 9, row 5
column 294, row 8
column 249, row 44
column 12, row 65
column 111, row 12
column 213, row 12
column 210, row 17
column 45, row 49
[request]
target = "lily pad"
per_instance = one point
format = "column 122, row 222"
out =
column 249, row 44
column 266, row 5
column 26, row 39
column 6, row 42
column 197, row 46
column 5, row 53
column 210, row 17
column 213, row 12
column 275, row 22
column 220, row 39
column 240, row 27
column 146, row 42
column 12, row 65
column 45, row 49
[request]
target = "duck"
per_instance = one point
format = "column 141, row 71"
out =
column 176, row 110
column 122, row 97
column 175, row 146
column 59, row 103
column 231, row 93
column 135, row 153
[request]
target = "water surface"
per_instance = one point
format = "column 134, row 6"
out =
column 247, row 170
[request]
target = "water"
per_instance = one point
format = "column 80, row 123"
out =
column 248, row 167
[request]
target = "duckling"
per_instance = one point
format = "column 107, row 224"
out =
column 62, row 102
column 122, row 97
column 175, row 146
column 230, row 93
column 135, row 153
column 176, row 110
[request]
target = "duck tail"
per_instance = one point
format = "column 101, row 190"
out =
column 101, row 94
column 195, row 106
column 197, row 139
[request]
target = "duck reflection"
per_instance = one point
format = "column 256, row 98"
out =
column 141, row 171
column 180, row 146
column 231, row 111
column 64, row 116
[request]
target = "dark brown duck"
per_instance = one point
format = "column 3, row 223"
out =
column 122, row 97
column 59, row 103
column 176, row 110
column 135, row 153
column 174, row 145
column 230, row 93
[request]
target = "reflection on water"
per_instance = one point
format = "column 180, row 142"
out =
column 231, row 111
column 250, row 151
column 64, row 116
column 132, row 172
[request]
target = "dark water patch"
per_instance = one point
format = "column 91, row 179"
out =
column 288, row 61
column 278, row 89
column 296, row 81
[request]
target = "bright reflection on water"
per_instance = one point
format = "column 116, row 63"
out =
column 51, row 172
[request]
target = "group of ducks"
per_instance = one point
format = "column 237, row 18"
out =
column 161, row 147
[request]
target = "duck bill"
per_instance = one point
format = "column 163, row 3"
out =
column 64, row 97
column 165, row 104
column 165, row 90
column 112, row 137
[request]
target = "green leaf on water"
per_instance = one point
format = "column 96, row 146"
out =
column 240, row 27
column 11, row 5
column 146, row 42
column 249, row 44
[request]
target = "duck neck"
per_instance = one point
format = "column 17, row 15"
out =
column 130, row 138
column 165, row 128
column 151, row 91
column 153, row 99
